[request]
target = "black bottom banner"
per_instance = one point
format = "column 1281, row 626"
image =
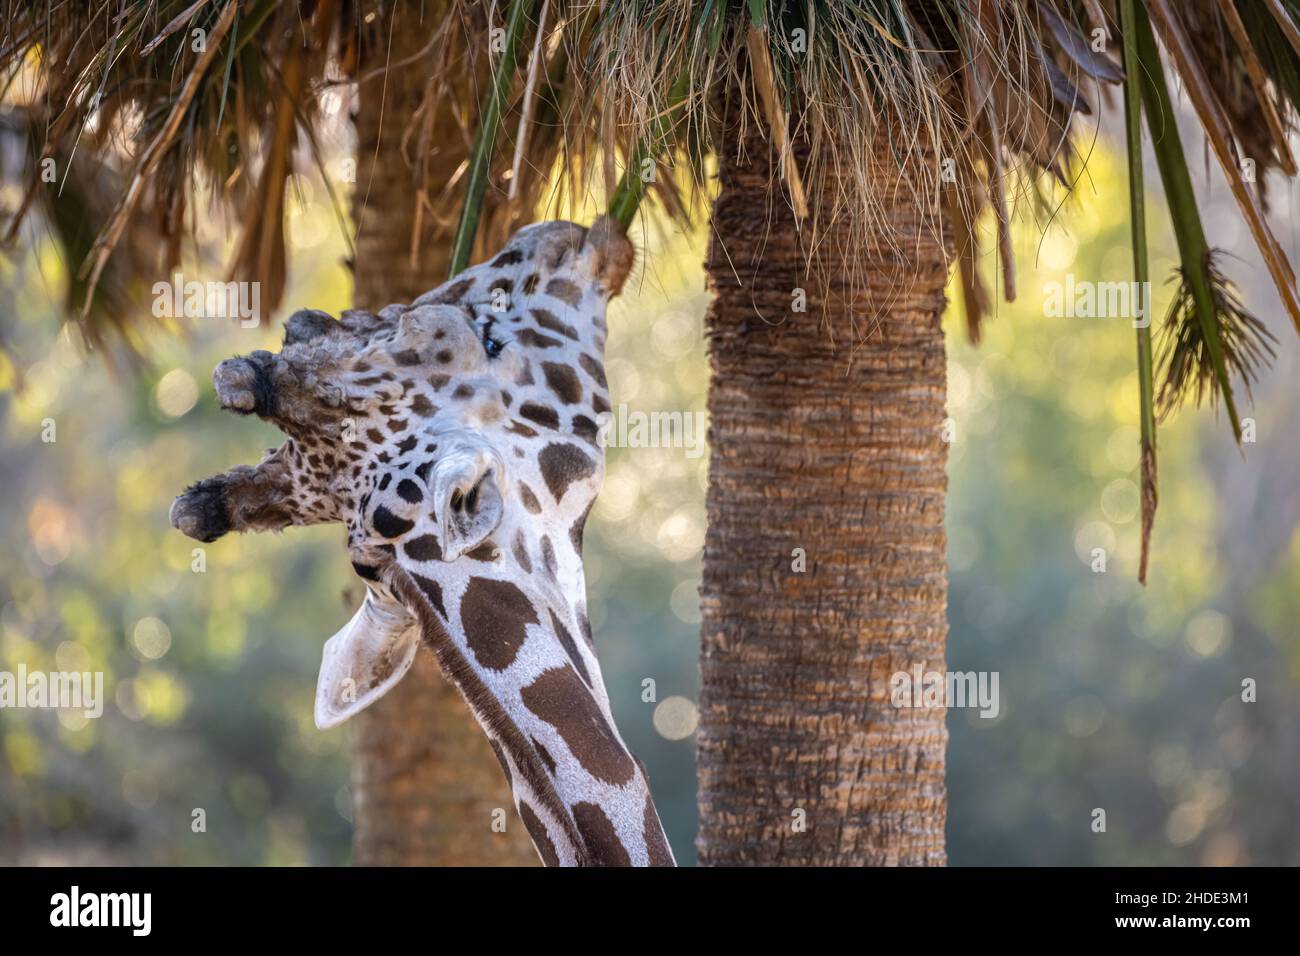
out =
column 332, row 906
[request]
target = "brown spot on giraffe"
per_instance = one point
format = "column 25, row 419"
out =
column 594, row 369
column 585, row 429
column 537, row 832
column 519, row 428
column 598, row 833
column 484, row 552
column 562, row 464
column 566, row 291
column 433, row 591
column 570, row 648
column 548, row 557
column 577, row 529
column 520, row 552
column 543, row 415
column 559, row 697
column 545, row 755
column 546, row 319
column 495, row 615
column 563, row 381
column 423, row 548
column 536, row 340
column 529, row 499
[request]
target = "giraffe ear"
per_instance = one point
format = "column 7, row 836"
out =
column 608, row 254
column 364, row 660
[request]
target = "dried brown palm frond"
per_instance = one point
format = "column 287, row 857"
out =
column 188, row 103
column 77, row 209
column 973, row 87
column 1225, row 142
column 175, row 93
column 985, row 89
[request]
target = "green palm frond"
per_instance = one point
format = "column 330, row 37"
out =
column 1194, row 249
column 489, row 120
column 1187, row 366
column 1141, row 276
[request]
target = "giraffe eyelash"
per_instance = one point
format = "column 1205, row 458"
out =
column 482, row 325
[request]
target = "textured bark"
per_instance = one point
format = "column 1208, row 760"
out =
column 425, row 782
column 829, row 441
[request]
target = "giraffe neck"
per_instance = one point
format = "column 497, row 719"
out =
column 581, row 794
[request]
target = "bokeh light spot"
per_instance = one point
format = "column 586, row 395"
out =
column 676, row 718
column 176, row 393
column 151, row 637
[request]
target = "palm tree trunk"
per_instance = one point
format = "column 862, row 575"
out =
column 425, row 782
column 830, row 441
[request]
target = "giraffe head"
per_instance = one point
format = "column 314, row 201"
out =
column 455, row 437
column 457, row 440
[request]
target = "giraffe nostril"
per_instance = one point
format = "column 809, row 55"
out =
column 456, row 500
column 472, row 499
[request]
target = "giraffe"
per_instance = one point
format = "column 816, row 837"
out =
column 457, row 439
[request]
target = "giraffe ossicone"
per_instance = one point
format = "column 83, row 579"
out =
column 457, row 439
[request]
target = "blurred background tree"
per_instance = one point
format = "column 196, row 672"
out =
column 229, row 89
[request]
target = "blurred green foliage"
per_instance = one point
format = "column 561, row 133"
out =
column 208, row 654
column 1115, row 696
column 1112, row 696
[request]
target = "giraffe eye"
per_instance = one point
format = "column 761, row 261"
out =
column 491, row 344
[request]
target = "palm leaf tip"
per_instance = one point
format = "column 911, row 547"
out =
column 1184, row 363
column 1150, row 499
